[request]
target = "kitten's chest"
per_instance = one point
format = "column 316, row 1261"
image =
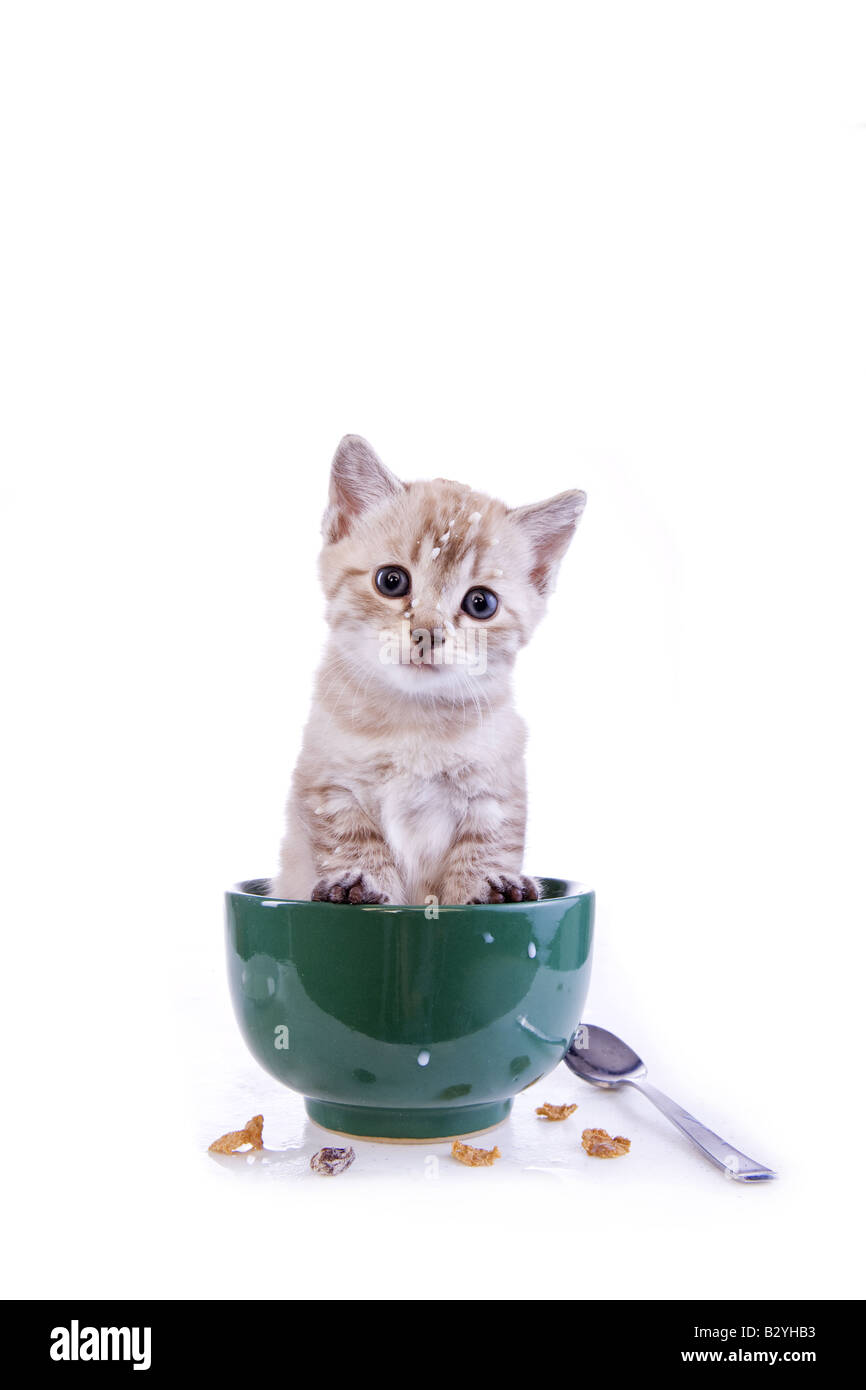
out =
column 419, row 816
column 418, row 791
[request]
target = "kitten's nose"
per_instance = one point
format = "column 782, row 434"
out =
column 428, row 638
column 434, row 635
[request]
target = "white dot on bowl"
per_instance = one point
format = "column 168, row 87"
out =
column 531, row 949
column 423, row 1058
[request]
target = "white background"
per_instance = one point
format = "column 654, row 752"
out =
column 530, row 246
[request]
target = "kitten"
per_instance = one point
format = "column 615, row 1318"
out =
column 410, row 785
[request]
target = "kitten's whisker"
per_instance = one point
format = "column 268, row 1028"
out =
column 361, row 692
column 483, row 693
column 341, row 669
column 476, row 700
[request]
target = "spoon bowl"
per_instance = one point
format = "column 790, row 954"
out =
column 603, row 1059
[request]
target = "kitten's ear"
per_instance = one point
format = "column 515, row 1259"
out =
column 359, row 480
column 549, row 527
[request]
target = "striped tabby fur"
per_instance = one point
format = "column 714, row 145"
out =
column 410, row 784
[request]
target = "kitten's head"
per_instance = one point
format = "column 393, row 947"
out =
column 433, row 588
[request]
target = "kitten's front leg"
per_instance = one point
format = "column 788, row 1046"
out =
column 484, row 861
column 349, row 851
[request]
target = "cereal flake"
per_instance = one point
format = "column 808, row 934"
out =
column 474, row 1158
column 231, row 1142
column 598, row 1144
column 548, row 1111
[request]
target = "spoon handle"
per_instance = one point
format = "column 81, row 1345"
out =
column 733, row 1163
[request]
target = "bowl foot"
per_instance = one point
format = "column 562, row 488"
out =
column 419, row 1126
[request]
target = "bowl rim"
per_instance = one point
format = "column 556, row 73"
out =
column 574, row 892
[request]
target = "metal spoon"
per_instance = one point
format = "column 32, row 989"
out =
column 597, row 1056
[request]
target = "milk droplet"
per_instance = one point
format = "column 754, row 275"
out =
column 443, row 539
column 423, row 1058
column 487, row 937
column 434, row 552
column 531, row 950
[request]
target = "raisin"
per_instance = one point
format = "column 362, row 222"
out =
column 330, row 1161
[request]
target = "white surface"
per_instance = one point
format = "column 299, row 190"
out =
column 533, row 1150
column 533, row 247
column 408, row 1221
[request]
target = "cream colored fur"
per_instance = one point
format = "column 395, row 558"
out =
column 410, row 784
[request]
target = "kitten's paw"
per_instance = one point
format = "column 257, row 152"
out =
column 506, row 888
column 348, row 888
column 501, row 888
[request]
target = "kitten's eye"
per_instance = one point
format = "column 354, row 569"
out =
column 480, row 603
column 392, row 581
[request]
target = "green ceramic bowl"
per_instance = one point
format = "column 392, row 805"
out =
column 396, row 1026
